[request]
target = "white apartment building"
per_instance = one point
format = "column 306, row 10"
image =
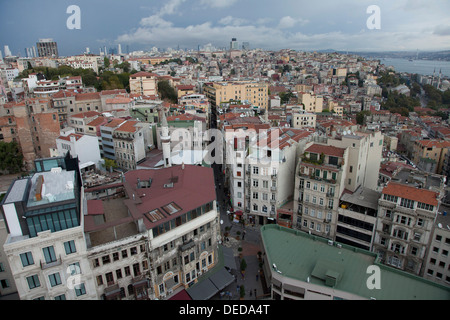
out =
column 437, row 264
column 45, row 246
column 85, row 147
column 407, row 210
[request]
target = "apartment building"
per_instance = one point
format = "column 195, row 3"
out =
column 144, row 84
column 85, row 102
column 407, row 210
column 84, row 147
column 61, row 102
column 269, row 177
column 254, row 92
column 303, row 119
column 7, row 283
column 34, row 125
column 79, row 121
column 357, row 218
column 364, row 158
column 437, row 265
column 312, row 103
column 299, row 266
column 45, row 246
column 107, row 141
column 128, row 139
column 319, row 184
column 429, row 155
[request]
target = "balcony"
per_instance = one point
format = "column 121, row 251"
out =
column 47, row 265
column 112, row 292
column 274, row 176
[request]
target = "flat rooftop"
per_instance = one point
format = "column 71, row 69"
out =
column 363, row 197
column 59, row 186
column 299, row 255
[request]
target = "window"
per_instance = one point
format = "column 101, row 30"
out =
column 70, row 247
column 407, row 203
column 49, row 254
column 61, row 297
column 127, row 271
column 99, row 280
column 80, row 290
column 55, row 279
column 4, row 283
column 115, row 256
column 106, row 259
column 27, row 259
column 33, row 281
column 124, row 254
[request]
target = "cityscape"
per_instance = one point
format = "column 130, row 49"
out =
column 239, row 156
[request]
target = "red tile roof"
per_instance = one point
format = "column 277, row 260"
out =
column 411, row 193
column 67, row 138
column 193, row 187
column 87, row 114
column 128, row 126
column 87, row 96
column 327, row 150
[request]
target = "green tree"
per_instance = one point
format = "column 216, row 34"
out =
column 110, row 164
column 243, row 265
column 167, row 92
column 106, row 62
column 361, row 116
column 11, row 158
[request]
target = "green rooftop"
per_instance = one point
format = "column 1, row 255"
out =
column 300, row 256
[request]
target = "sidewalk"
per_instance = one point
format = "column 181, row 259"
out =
column 251, row 278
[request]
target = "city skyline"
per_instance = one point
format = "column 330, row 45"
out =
column 404, row 25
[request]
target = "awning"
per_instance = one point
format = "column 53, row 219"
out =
column 182, row 295
column 238, row 213
column 221, row 279
column 208, row 287
column 203, row 290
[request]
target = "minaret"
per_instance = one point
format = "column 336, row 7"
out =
column 165, row 140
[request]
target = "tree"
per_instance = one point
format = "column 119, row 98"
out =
column 242, row 291
column 243, row 265
column 167, row 92
column 106, row 62
column 361, row 116
column 110, row 164
column 11, row 158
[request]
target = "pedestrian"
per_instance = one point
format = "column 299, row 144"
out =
column 255, row 293
column 250, row 292
column 243, row 235
column 257, row 277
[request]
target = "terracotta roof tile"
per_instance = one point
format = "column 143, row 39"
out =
column 411, row 193
column 327, row 150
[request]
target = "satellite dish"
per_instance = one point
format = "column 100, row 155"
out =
column 440, row 225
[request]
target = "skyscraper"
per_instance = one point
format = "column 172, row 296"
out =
column 234, row 44
column 7, row 51
column 47, row 48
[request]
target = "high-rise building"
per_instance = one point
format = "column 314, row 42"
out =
column 7, row 51
column 47, row 48
column 234, row 44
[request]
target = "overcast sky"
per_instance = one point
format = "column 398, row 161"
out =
column 267, row 24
